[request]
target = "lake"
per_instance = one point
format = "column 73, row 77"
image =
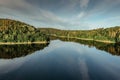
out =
column 62, row 59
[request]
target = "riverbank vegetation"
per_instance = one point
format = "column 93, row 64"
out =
column 12, row 31
column 17, row 32
column 111, row 34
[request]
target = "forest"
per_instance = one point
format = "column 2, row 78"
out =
column 111, row 34
column 16, row 31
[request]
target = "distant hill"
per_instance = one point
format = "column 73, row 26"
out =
column 111, row 34
column 16, row 31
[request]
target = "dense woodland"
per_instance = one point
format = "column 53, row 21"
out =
column 108, row 34
column 15, row 31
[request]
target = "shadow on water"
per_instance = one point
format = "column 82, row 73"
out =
column 111, row 48
column 15, row 51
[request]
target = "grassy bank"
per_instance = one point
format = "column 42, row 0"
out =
column 104, row 41
column 14, row 43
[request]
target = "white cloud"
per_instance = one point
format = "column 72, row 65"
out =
column 83, row 69
column 81, row 14
column 11, row 65
column 34, row 15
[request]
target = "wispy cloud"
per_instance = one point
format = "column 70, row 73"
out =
column 64, row 14
column 84, row 3
column 83, row 69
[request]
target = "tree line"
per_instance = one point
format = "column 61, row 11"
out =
column 15, row 31
column 106, row 34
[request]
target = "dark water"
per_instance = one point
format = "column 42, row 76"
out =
column 60, row 60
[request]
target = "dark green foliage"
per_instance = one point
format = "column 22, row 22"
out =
column 15, row 31
column 117, row 37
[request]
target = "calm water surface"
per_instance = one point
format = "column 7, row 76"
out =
column 59, row 60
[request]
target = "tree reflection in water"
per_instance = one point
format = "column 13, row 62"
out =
column 14, row 51
column 111, row 48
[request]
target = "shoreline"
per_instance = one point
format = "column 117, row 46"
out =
column 15, row 43
column 104, row 41
column 45, row 42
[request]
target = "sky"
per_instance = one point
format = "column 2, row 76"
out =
column 63, row 14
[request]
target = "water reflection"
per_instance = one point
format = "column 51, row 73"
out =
column 63, row 61
column 111, row 48
column 14, row 51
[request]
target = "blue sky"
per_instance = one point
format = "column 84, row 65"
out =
column 63, row 14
